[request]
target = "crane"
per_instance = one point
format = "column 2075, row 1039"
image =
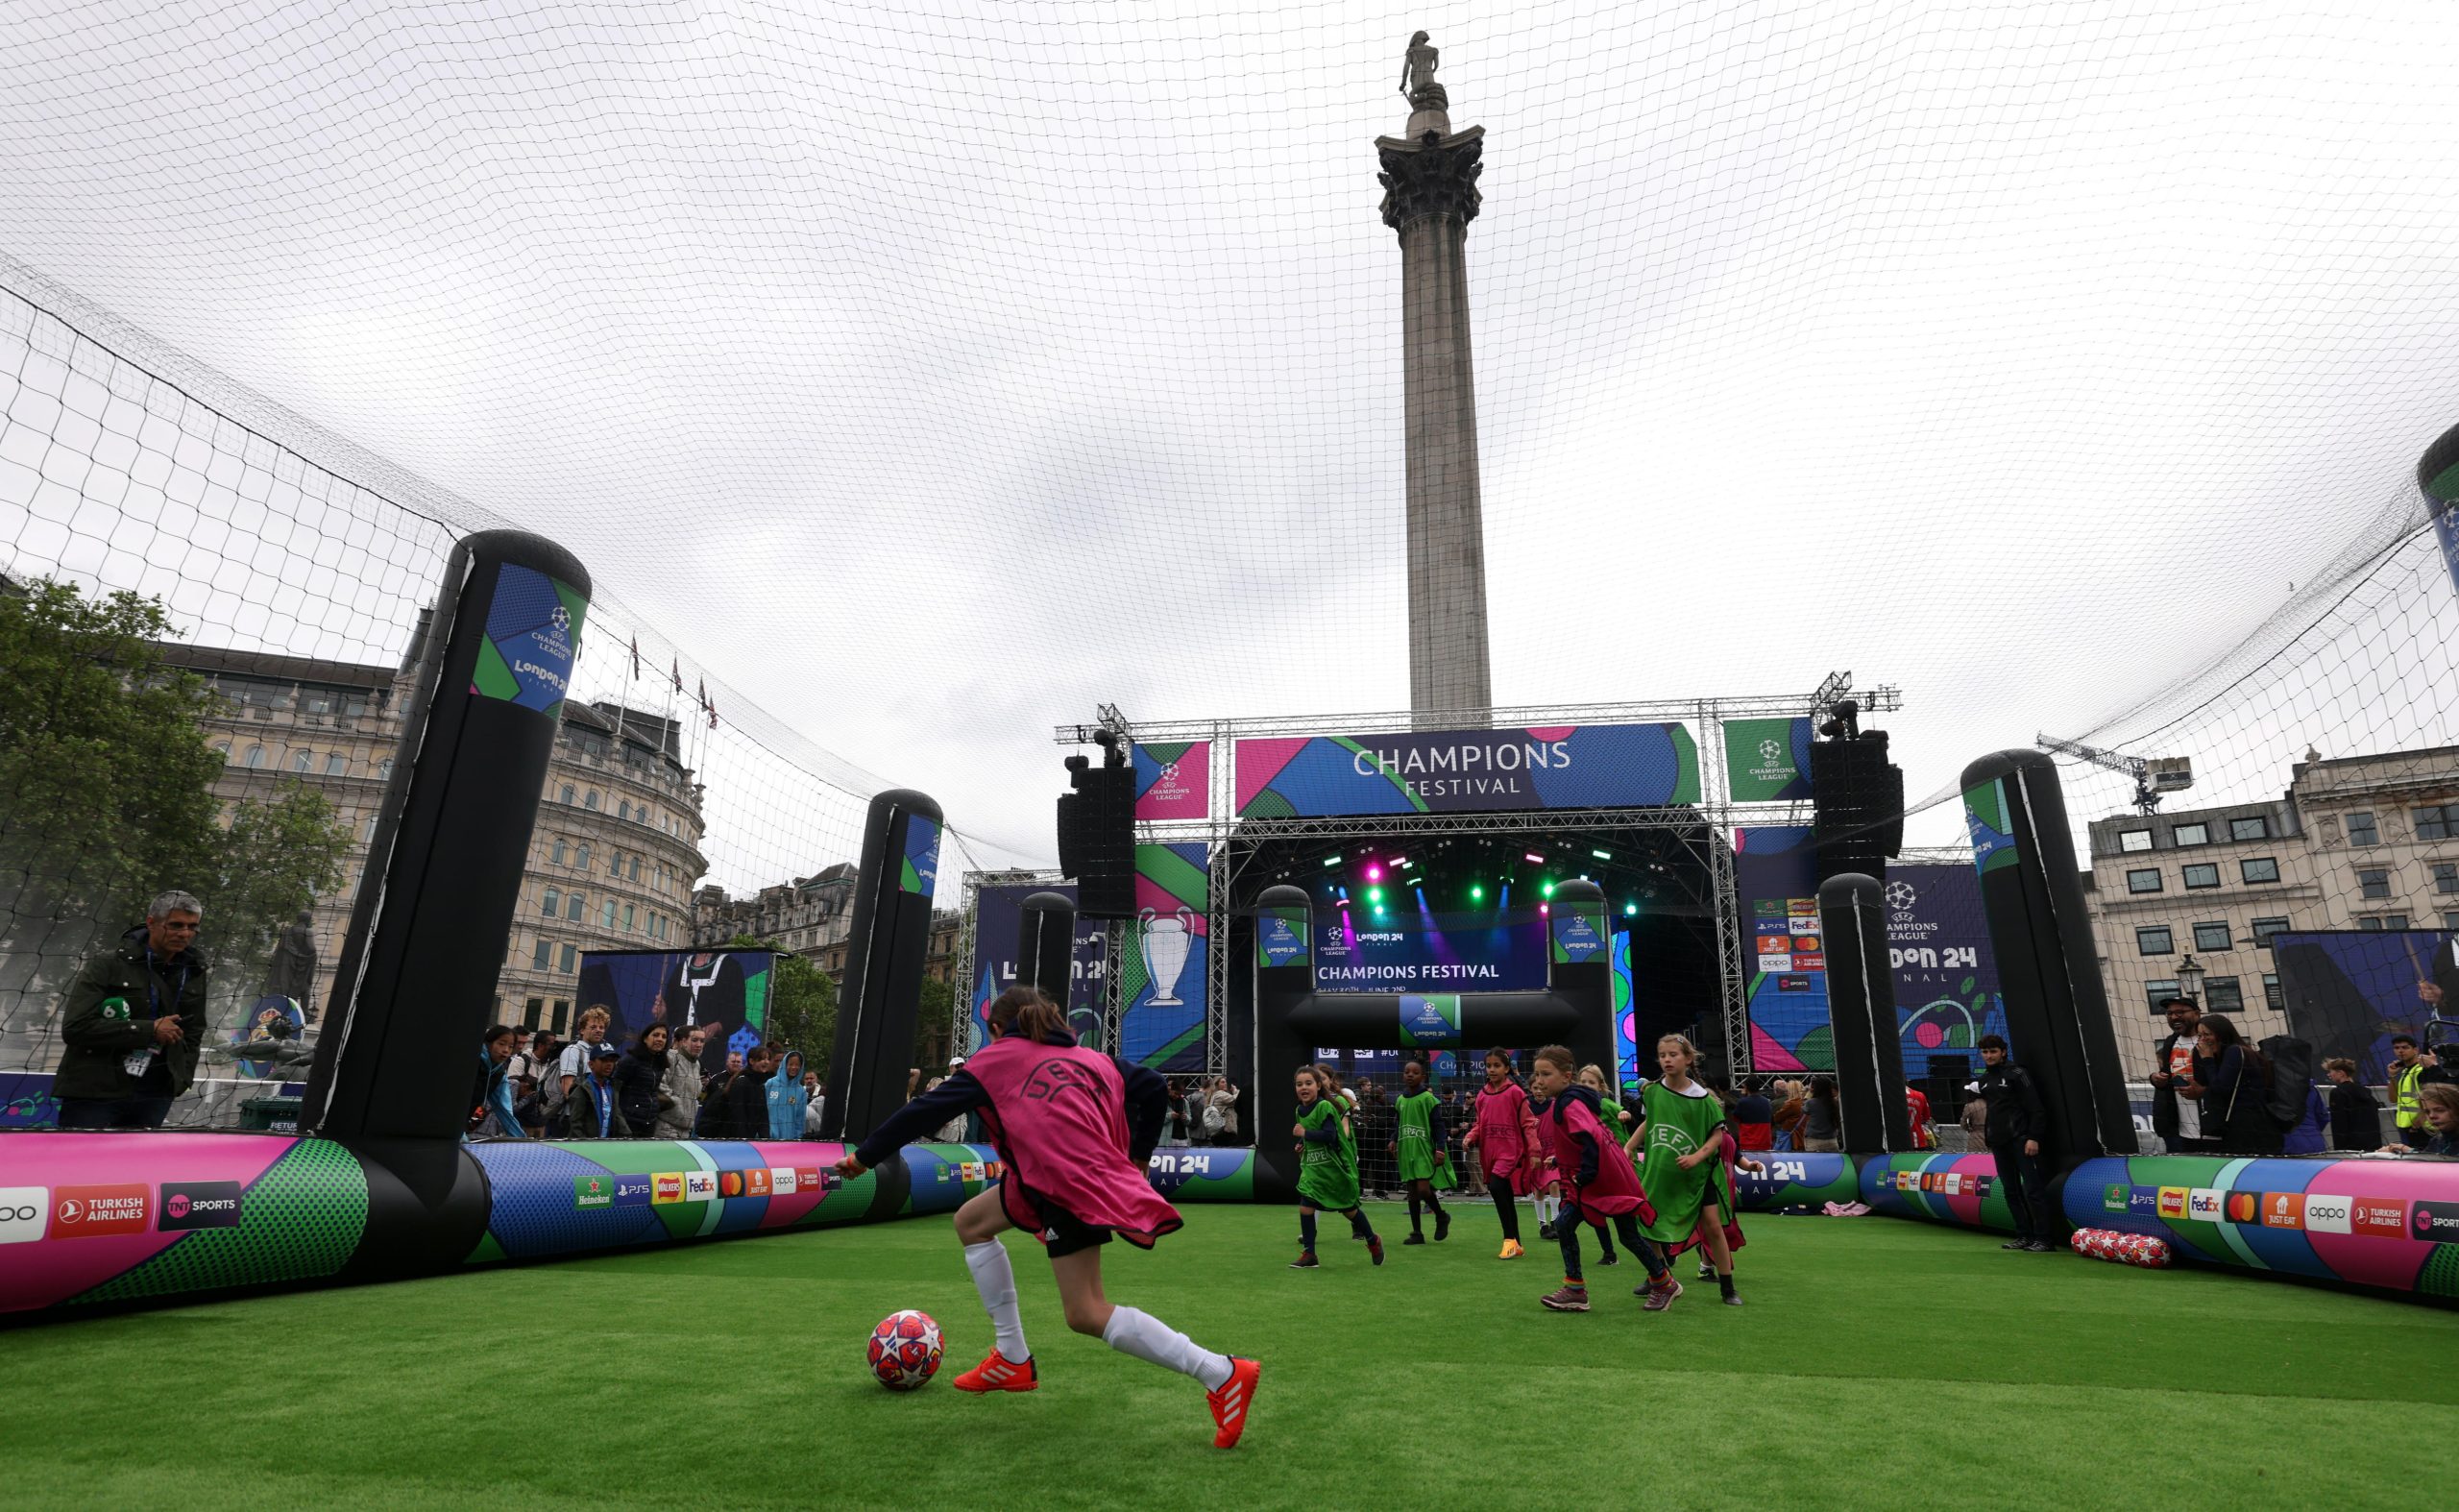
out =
column 2154, row 775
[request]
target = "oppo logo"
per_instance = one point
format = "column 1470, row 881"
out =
column 21, row 1210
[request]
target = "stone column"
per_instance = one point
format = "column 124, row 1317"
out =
column 1430, row 181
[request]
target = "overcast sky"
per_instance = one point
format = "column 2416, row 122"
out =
column 932, row 372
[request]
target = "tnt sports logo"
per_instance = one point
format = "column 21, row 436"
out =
column 1057, row 1075
column 21, row 1214
column 2379, row 1219
column 2436, row 1221
column 2327, row 1214
column 2173, row 1202
column 1771, row 752
column 2284, row 1210
column 199, row 1204
column 2204, row 1202
column 563, row 619
column 1900, row 896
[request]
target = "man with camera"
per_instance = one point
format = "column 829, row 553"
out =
column 133, row 1021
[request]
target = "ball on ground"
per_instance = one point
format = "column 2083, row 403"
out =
column 905, row 1349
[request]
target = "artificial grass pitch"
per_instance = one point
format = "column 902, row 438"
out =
column 1875, row 1363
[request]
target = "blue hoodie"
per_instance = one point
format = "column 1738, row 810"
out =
column 786, row 1099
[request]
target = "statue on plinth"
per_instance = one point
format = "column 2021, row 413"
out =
column 292, row 971
column 1417, row 75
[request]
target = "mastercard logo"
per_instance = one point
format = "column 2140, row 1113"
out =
column 730, row 1183
column 2244, row 1206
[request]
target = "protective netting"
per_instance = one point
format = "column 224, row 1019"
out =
column 912, row 378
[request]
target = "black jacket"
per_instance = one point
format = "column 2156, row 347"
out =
column 2236, row 1116
column 2164, row 1099
column 637, row 1080
column 2356, row 1118
column 2015, row 1109
column 741, row 1109
column 110, row 1012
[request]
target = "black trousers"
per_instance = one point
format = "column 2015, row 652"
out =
column 2025, row 1186
column 113, row 1112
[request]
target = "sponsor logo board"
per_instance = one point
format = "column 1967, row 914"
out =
column 700, row 1186
column 2329, row 1214
column 199, row 1204
column 666, row 1187
column 2380, row 1217
column 632, row 1191
column 91, row 1212
column 2243, row 1207
column 593, row 1191
column 781, row 1180
column 2438, row 1222
column 807, row 1179
column 2284, row 1210
column 2205, row 1204
column 2173, row 1202
column 755, row 1181
column 23, row 1212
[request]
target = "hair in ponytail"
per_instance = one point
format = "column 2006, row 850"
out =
column 1560, row 1058
column 1028, row 1012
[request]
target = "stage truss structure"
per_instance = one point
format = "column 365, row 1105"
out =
column 1232, row 843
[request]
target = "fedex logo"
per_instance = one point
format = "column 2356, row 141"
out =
column 2204, row 1202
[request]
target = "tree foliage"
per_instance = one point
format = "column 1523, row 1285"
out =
column 802, row 1004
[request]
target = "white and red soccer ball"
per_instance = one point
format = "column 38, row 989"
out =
column 905, row 1349
column 2124, row 1248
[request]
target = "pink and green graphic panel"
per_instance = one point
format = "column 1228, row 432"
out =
column 1174, row 780
column 917, row 870
column 1568, row 767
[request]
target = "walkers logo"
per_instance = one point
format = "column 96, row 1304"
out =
column 199, row 1204
column 2204, row 1202
column 2173, row 1202
column 91, row 1212
column 2113, row 1197
column 972, row 1170
column 2327, row 1214
column 2436, row 1221
column 2284, row 1210
column 755, row 1181
column 632, row 1191
column 593, row 1191
column 22, row 1211
column 2379, row 1219
column 700, row 1186
column 2244, row 1206
column 666, row 1187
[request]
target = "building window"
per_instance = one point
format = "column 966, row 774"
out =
column 2361, row 829
column 2153, row 939
column 554, row 900
column 574, row 906
column 531, row 1012
column 2204, row 875
column 2133, row 840
column 606, row 919
column 255, row 757
column 635, row 872
column 563, row 1007
column 2155, row 992
column 2264, row 929
column 581, row 857
column 369, row 838
column 337, row 764
column 623, row 811
column 2446, row 876
column 2258, row 868
column 2437, row 823
column 627, row 918
column 614, row 864
column 2221, row 995
column 2147, row 880
column 2211, row 936
column 301, row 761
column 2254, row 828
column 2374, row 923
column 2272, row 998
column 570, row 960
column 564, row 797
column 591, row 802
column 563, row 850
column 2190, row 835
column 2372, row 882
column 537, row 958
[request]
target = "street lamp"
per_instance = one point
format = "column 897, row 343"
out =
column 2190, row 975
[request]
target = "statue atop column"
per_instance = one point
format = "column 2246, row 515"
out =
column 1417, row 75
column 292, row 971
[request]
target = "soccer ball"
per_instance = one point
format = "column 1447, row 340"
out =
column 905, row 1349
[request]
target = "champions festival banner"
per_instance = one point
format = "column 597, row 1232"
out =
column 2348, row 991
column 998, row 917
column 1946, row 978
column 680, row 988
column 1568, row 766
column 1174, row 780
column 1767, row 761
column 1164, row 980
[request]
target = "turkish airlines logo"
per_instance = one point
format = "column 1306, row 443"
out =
column 2379, row 1219
column 92, row 1213
column 22, row 1211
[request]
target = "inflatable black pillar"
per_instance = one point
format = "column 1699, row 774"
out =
column 879, row 1004
column 416, row 975
column 1579, row 956
column 2058, row 1014
column 1046, row 945
column 1861, row 1004
column 2438, row 479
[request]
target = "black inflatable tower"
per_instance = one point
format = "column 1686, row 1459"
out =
column 2058, row 1015
column 879, row 1005
column 1046, row 944
column 1860, row 1001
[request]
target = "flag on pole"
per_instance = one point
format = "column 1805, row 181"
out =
column 678, row 675
column 706, row 707
column 635, row 658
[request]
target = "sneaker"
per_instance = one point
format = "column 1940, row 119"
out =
column 1707, row 1270
column 1375, row 1247
column 1442, row 1227
column 1733, row 1298
column 1306, row 1262
column 1414, row 1238
column 1230, row 1403
column 2041, row 1247
column 1610, row 1258
column 1569, row 1299
column 2017, row 1244
column 1546, row 1232
column 1511, row 1250
column 1659, row 1297
column 999, row 1373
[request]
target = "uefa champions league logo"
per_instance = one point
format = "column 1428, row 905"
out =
column 563, row 619
column 1771, row 752
column 1169, row 776
column 1901, row 897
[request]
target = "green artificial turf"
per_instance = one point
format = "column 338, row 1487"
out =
column 1876, row 1363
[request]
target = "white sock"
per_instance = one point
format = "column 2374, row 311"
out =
column 1148, row 1338
column 996, row 1282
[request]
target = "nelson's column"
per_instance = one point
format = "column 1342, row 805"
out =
column 1430, row 195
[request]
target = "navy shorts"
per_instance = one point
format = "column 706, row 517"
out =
column 1066, row 1234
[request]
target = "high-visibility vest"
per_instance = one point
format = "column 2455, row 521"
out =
column 2403, row 1093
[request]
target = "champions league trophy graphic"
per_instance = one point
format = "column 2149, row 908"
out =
column 1166, row 954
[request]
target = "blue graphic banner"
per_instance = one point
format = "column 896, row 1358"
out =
column 1584, row 766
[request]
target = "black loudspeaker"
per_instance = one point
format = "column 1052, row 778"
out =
column 1858, row 795
column 1096, row 837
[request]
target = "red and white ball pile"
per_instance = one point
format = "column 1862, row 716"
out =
column 905, row 1349
column 2124, row 1248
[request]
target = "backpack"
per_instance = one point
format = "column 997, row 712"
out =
column 2292, row 1073
column 1211, row 1118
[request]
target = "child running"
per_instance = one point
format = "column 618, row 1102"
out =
column 1074, row 1128
column 1505, row 1137
column 1541, row 1195
column 1347, row 1101
column 1602, row 1185
column 1417, row 1152
column 1327, row 1166
column 1593, row 1078
column 1683, row 1170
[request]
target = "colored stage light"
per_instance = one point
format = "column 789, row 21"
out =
column 1331, row 861
column 1402, row 863
column 1546, row 891
column 1374, row 873
column 1546, row 909
column 1602, row 855
column 1477, row 893
column 1628, row 911
column 1533, row 856
column 1374, row 895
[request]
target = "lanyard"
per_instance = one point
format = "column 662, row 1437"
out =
column 153, row 988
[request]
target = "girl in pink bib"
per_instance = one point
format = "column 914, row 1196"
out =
column 1505, row 1137
column 1074, row 1128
